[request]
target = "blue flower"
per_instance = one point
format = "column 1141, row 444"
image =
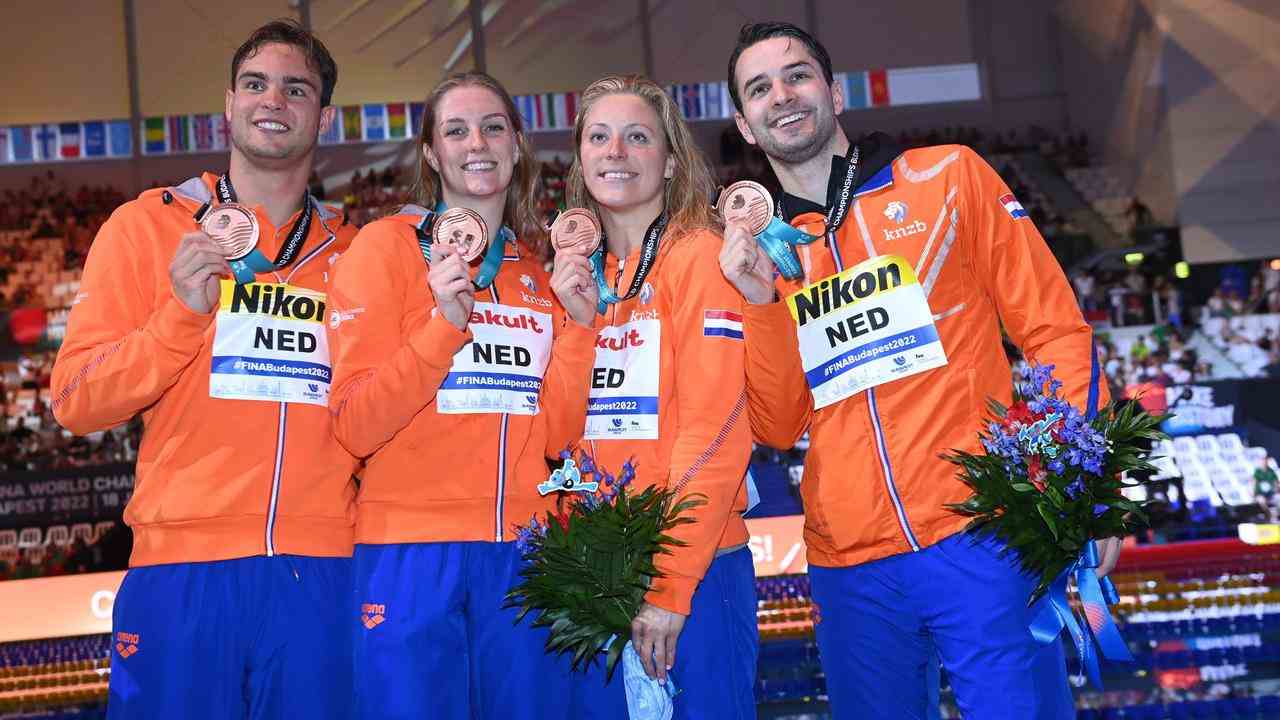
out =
column 1056, row 467
column 1075, row 488
column 1099, row 510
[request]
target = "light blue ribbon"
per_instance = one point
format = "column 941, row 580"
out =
column 1052, row 613
column 647, row 699
column 778, row 240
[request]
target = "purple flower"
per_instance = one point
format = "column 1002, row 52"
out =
column 1099, row 510
column 1075, row 488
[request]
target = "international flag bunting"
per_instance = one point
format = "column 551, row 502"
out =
column 878, row 80
column 352, row 127
column 570, row 109
column 855, row 90
column 20, row 140
column 525, row 105
column 221, row 132
column 153, row 136
column 375, row 122
column 691, row 101
column 120, row 138
column 333, row 135
column 713, row 95
column 416, row 112
column 46, row 142
column 95, row 139
column 396, row 121
column 379, row 122
column 69, row 146
column 179, row 133
column 202, row 133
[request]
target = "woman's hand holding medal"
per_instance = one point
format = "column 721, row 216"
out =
column 196, row 270
column 575, row 234
column 450, row 281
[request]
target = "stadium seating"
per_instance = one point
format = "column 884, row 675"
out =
column 68, row 675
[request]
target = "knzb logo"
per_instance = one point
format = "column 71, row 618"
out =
column 313, row 387
column 527, row 281
column 896, row 211
column 646, row 293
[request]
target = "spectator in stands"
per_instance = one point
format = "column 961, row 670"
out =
column 1139, row 351
column 1272, row 370
column 1217, row 305
column 1138, row 213
column 1264, row 481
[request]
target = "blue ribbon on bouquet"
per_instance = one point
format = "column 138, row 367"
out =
column 1052, row 613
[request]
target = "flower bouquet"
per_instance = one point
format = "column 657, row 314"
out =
column 589, row 565
column 1049, row 485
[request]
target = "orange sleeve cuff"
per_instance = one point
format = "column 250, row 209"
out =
column 672, row 592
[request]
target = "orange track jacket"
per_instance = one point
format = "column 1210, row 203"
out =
column 216, row 478
column 704, row 438
column 874, row 484
column 431, row 476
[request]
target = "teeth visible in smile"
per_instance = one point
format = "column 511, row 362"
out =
column 271, row 125
column 619, row 175
column 788, row 119
column 476, row 166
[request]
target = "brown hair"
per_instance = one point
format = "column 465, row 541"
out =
column 289, row 32
column 687, row 197
column 521, row 211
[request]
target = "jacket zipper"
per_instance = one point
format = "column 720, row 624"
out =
column 882, row 448
column 278, row 473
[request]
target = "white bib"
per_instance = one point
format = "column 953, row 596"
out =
column 624, row 383
column 862, row 327
column 269, row 344
column 501, row 369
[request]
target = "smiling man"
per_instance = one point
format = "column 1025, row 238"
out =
column 916, row 259
column 202, row 308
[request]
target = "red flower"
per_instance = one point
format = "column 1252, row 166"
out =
column 1019, row 412
column 563, row 518
column 1036, row 473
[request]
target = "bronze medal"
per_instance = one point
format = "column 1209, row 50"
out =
column 463, row 229
column 234, row 227
column 748, row 202
column 576, row 232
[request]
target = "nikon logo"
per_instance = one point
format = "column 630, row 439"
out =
column 276, row 301
column 835, row 292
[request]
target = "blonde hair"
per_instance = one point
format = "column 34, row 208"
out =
column 687, row 198
column 521, row 210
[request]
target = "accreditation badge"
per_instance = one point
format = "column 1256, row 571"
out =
column 501, row 369
column 862, row 327
column 269, row 344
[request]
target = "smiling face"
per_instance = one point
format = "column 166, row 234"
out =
column 624, row 154
column 788, row 109
column 274, row 107
column 473, row 146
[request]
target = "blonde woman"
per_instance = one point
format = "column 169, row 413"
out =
column 668, row 391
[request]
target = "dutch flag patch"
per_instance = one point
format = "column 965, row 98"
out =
column 1012, row 206
column 722, row 323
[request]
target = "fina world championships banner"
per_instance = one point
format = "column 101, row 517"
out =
column 73, row 495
